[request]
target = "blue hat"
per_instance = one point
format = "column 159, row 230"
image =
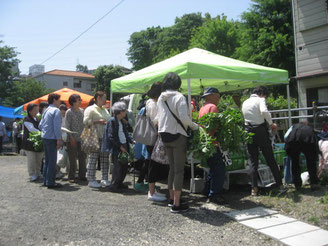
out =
column 209, row 91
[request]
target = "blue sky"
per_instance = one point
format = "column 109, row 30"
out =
column 39, row 28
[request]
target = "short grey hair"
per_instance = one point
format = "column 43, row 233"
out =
column 118, row 107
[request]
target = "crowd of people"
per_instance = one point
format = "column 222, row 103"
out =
column 169, row 112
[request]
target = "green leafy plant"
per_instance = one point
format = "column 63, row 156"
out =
column 202, row 146
column 126, row 157
column 324, row 199
column 314, row 219
column 226, row 128
column 35, row 138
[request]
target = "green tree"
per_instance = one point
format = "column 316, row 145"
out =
column 8, row 59
column 176, row 39
column 105, row 74
column 267, row 37
column 156, row 43
column 142, row 50
column 81, row 68
column 217, row 35
column 23, row 91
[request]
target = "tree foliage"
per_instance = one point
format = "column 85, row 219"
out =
column 105, row 74
column 8, row 59
column 267, row 35
column 23, row 91
column 176, row 39
column 81, row 68
column 142, row 48
column 156, row 43
column 218, row 35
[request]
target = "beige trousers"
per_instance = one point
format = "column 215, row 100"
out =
column 34, row 160
column 177, row 153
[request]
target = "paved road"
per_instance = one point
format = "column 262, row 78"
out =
column 77, row 215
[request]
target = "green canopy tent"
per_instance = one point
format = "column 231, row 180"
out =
column 199, row 69
column 203, row 69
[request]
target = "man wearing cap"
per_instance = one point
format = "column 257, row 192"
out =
column 257, row 119
column 215, row 177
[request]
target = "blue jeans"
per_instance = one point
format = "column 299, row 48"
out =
column 49, row 167
column 215, row 178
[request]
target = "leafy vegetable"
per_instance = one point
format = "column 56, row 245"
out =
column 202, row 146
column 35, row 138
column 226, row 128
column 126, row 157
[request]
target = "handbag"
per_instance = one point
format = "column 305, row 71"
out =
column 159, row 152
column 89, row 140
column 145, row 132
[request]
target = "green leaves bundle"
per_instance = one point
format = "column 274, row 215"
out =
column 126, row 157
column 35, row 138
column 202, row 146
column 227, row 129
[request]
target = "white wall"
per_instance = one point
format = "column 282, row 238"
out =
column 56, row 82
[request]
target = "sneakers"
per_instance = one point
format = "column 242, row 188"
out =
column 55, row 186
column 94, row 184
column 179, row 209
column 156, row 198
column 33, row 178
column 140, row 187
column 171, row 202
column 59, row 175
column 219, row 200
column 282, row 190
column 105, row 183
column 159, row 194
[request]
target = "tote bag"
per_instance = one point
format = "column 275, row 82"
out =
column 145, row 131
column 89, row 140
column 159, row 152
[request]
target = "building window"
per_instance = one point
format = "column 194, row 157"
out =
column 93, row 86
column 78, row 85
column 65, row 83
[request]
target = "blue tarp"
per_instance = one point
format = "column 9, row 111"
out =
column 18, row 110
column 6, row 112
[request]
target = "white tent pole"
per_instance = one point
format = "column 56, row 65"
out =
column 289, row 111
column 189, row 97
column 110, row 100
column 192, row 185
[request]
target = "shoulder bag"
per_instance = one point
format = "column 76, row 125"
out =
column 89, row 139
column 159, row 152
column 145, row 132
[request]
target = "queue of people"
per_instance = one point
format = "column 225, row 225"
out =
column 168, row 111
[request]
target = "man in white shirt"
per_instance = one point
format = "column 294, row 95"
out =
column 257, row 118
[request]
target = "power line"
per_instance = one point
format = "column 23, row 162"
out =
column 83, row 32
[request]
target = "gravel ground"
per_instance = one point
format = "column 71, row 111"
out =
column 77, row 215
